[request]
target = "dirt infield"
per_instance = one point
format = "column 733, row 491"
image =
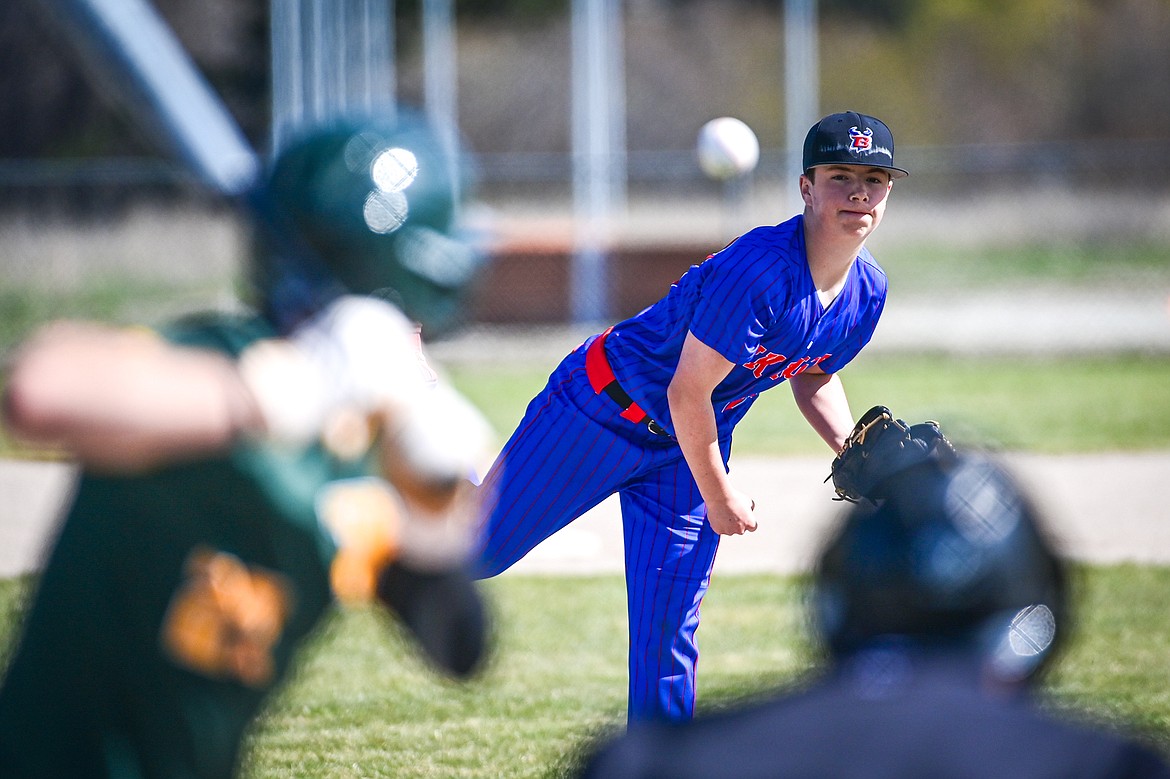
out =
column 1101, row 508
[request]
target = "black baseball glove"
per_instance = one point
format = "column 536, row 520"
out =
column 879, row 447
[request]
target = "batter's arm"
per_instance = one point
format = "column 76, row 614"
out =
column 123, row 400
column 700, row 369
column 821, row 399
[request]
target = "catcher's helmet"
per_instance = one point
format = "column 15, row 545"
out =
column 953, row 555
column 372, row 206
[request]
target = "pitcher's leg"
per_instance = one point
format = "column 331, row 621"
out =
column 670, row 549
column 559, row 463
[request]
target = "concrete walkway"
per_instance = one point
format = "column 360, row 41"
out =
column 1102, row 508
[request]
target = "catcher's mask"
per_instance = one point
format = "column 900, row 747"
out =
column 372, row 206
column 955, row 555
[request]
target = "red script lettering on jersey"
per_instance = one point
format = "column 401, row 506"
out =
column 765, row 360
column 758, row 366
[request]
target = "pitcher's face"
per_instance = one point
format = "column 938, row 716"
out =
column 851, row 198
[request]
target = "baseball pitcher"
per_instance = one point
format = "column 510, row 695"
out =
column 647, row 409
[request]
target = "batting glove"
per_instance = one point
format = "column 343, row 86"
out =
column 356, row 355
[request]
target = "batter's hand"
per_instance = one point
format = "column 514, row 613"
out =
column 733, row 517
column 354, row 357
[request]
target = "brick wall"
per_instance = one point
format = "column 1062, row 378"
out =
column 529, row 284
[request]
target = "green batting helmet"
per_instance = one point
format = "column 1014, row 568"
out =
column 373, row 205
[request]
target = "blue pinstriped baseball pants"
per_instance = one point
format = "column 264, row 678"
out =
column 571, row 451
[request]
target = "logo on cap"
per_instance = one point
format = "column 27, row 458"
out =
column 860, row 141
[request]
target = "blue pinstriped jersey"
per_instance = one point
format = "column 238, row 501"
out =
column 755, row 303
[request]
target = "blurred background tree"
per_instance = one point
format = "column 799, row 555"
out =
column 942, row 71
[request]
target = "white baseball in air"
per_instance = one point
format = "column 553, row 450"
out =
column 727, row 148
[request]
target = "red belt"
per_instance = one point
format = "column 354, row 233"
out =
column 601, row 379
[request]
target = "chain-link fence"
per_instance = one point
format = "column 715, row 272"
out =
column 1011, row 247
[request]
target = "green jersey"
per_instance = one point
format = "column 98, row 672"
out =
column 171, row 604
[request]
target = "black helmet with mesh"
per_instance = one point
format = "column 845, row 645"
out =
column 955, row 555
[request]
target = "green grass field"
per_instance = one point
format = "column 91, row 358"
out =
column 920, row 266
column 1088, row 404
column 558, row 677
column 362, row 703
column 1083, row 404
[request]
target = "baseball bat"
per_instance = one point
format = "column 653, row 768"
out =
column 132, row 56
column 136, row 59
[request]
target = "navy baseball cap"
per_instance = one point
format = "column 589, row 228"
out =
column 851, row 138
